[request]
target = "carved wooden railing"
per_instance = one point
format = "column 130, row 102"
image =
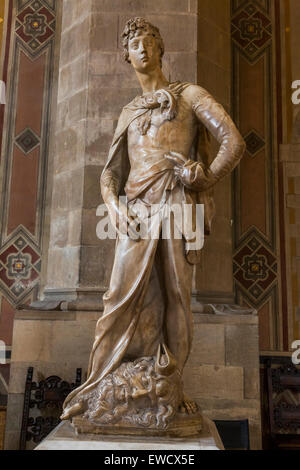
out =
column 46, row 399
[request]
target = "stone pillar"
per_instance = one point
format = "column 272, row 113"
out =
column 75, row 184
column 214, row 275
column 94, row 84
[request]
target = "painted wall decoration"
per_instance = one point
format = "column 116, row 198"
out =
column 258, row 261
column 24, row 158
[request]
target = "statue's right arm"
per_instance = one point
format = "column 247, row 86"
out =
column 109, row 187
column 110, row 190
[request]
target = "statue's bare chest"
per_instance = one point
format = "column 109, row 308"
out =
column 178, row 132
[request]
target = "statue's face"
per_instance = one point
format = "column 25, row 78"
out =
column 144, row 53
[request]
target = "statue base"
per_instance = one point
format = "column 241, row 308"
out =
column 182, row 425
column 65, row 438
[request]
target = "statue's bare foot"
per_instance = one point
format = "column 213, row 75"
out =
column 72, row 411
column 188, row 406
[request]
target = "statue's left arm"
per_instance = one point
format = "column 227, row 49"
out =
column 213, row 116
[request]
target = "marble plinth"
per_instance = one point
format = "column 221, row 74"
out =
column 183, row 425
column 65, row 438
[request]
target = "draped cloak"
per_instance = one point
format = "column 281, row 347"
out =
column 118, row 165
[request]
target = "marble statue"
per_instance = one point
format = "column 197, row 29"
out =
column 159, row 156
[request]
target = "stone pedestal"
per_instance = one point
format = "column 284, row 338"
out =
column 222, row 374
column 182, row 426
column 64, row 438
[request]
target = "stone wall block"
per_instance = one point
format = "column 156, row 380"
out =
column 297, row 184
column 92, row 195
column 70, row 147
column 13, row 424
column 216, row 14
column 222, row 229
column 136, row 7
column 59, row 229
column 252, row 382
column 75, row 12
column 68, row 190
column 73, row 77
column 214, row 382
column 292, row 169
column 64, row 228
column 63, row 345
column 96, row 264
column 222, row 190
column 182, row 66
column 72, row 110
column 75, row 42
column 89, row 226
column 193, row 6
column 293, row 201
column 108, row 101
column 64, row 268
column 212, row 39
column 75, row 234
column 99, row 135
column 18, row 374
column 214, row 273
column 37, row 347
column 241, row 343
column 110, row 69
column 208, row 345
column 104, row 32
column 214, row 79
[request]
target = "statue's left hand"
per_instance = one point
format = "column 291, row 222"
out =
column 192, row 174
column 178, row 161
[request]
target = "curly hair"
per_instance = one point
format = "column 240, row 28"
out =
column 133, row 27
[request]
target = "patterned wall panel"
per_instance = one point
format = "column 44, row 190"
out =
column 6, row 7
column 25, row 151
column 257, row 242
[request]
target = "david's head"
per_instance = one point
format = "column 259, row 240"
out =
column 143, row 45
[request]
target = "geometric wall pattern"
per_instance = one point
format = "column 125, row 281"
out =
column 27, row 141
column 255, row 258
column 255, row 268
column 251, row 30
column 254, row 143
column 6, row 310
column 35, row 24
column 20, row 266
column 25, row 153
